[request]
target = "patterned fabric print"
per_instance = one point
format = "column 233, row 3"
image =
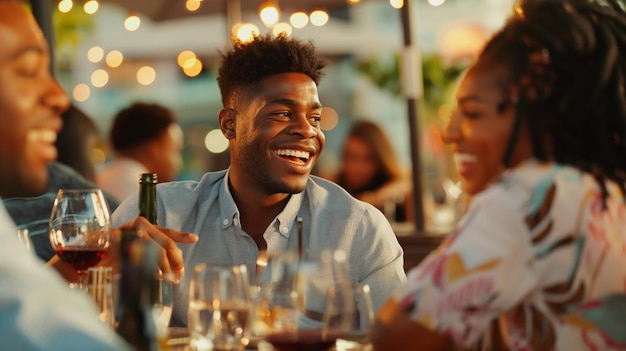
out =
column 538, row 263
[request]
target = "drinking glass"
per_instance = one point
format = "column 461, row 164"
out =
column 357, row 337
column 307, row 303
column 219, row 303
column 164, row 299
column 80, row 226
column 24, row 237
column 100, row 287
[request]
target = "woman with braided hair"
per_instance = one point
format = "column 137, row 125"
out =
column 539, row 138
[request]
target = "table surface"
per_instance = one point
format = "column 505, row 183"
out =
column 178, row 340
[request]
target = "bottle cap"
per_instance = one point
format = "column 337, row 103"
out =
column 148, row 178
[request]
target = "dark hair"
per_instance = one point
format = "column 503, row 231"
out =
column 247, row 63
column 76, row 140
column 389, row 167
column 566, row 58
column 138, row 124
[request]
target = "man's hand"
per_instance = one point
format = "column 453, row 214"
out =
column 170, row 258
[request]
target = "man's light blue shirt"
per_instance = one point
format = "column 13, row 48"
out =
column 332, row 219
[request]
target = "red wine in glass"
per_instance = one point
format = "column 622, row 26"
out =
column 81, row 259
column 303, row 340
column 79, row 228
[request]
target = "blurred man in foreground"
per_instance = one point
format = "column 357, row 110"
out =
column 37, row 309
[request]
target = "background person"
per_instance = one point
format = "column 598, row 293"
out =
column 271, row 117
column 538, row 261
column 371, row 171
column 145, row 138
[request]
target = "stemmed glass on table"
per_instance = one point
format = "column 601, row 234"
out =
column 307, row 304
column 80, row 226
column 219, row 303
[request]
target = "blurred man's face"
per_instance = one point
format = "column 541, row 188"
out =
column 31, row 103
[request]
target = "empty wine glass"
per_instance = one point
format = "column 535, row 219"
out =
column 79, row 229
column 219, row 303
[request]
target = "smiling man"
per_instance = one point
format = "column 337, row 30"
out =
column 37, row 310
column 271, row 116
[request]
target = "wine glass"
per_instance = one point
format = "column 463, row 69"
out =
column 307, row 302
column 357, row 338
column 219, row 303
column 80, row 226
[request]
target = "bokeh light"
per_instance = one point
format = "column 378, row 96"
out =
column 99, row 78
column 81, row 92
column 215, row 141
column 146, row 75
column 193, row 5
column 299, row 19
column 185, row 58
column 132, row 23
column 114, row 58
column 319, row 18
column 269, row 13
column 247, row 32
column 436, row 2
column 91, row 7
column 192, row 67
column 396, row 4
column 95, row 54
column 65, row 6
column 282, row 27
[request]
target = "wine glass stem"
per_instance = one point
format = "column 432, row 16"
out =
column 82, row 279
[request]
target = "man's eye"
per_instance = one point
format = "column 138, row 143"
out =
column 283, row 114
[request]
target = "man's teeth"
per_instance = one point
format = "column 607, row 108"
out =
column 293, row 153
column 42, row 135
column 464, row 158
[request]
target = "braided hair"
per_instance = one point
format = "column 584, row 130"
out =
column 567, row 58
column 247, row 63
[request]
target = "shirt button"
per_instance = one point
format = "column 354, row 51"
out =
column 285, row 230
column 225, row 222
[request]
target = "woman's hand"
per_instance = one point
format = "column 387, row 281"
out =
column 395, row 331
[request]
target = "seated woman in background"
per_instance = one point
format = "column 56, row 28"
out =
column 371, row 172
column 539, row 260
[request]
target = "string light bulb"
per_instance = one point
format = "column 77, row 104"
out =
column 193, row 5
column 282, row 27
column 319, row 18
column 132, row 22
column 269, row 12
column 246, row 32
column 65, row 6
column 91, row 7
column 299, row 19
column 396, row 4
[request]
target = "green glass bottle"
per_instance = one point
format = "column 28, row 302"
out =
column 148, row 197
column 134, row 313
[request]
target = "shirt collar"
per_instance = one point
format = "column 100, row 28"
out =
column 285, row 220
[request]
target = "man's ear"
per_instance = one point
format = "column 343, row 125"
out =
column 227, row 123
